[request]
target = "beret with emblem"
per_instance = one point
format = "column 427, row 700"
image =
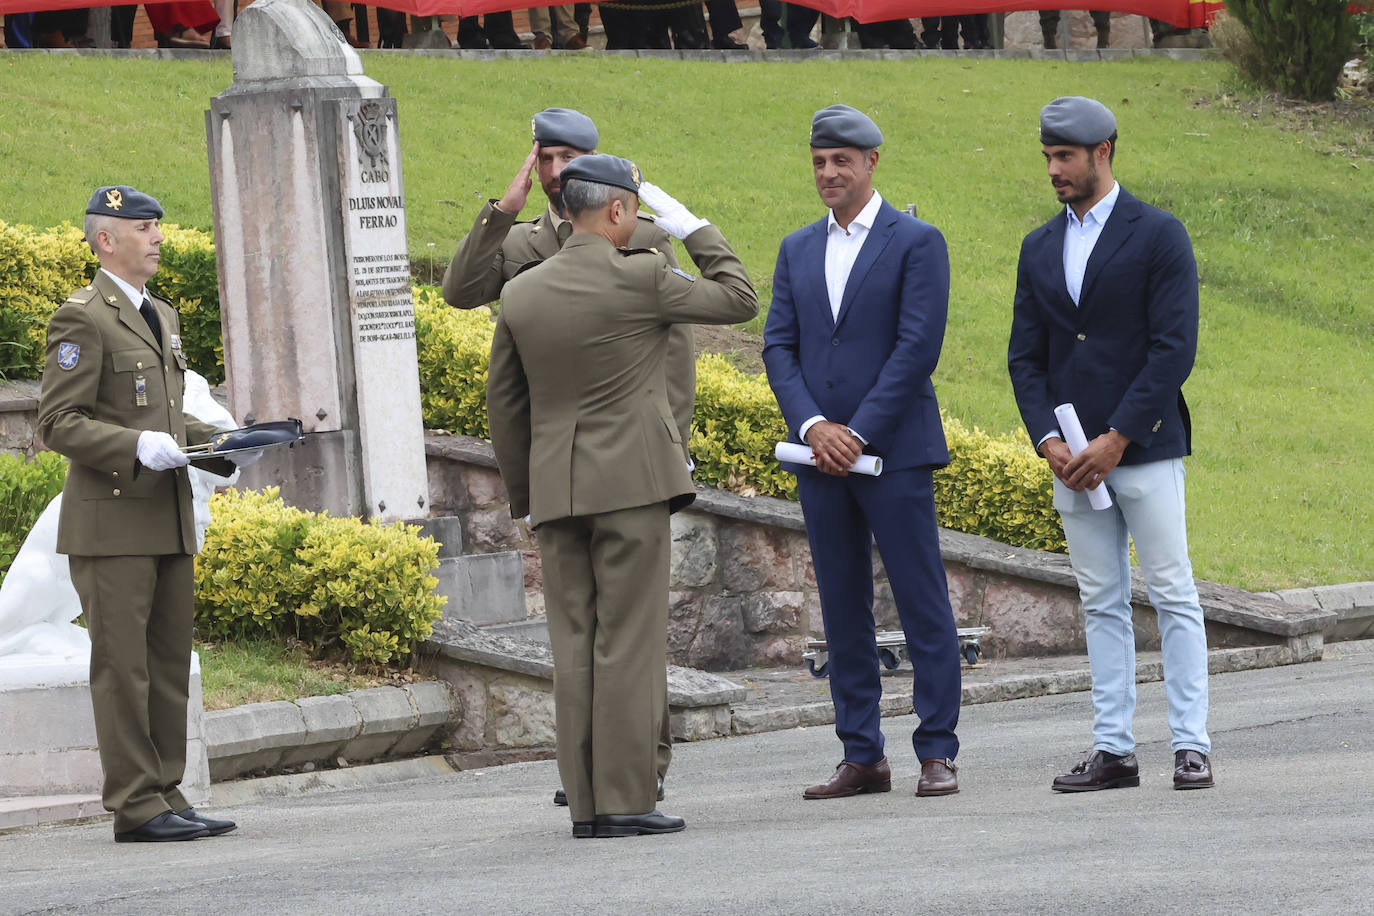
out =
column 124, row 202
column 1075, row 121
column 603, row 168
column 564, row 127
column 840, row 125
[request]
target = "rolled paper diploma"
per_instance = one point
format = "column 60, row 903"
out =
column 1098, row 496
column 793, row 453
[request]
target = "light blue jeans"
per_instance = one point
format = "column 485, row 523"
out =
column 1148, row 507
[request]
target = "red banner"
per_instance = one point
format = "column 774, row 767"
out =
column 1180, row 13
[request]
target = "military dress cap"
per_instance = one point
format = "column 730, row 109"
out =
column 564, row 127
column 603, row 168
column 124, row 202
column 840, row 125
column 1075, row 121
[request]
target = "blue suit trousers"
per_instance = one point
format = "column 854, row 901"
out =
column 844, row 516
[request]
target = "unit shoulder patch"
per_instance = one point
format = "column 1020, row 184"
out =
column 67, row 355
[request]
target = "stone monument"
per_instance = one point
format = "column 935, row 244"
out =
column 314, row 274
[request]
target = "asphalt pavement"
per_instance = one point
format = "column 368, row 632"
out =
column 1289, row 828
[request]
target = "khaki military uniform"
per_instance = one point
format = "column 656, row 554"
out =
column 498, row 248
column 589, row 448
column 129, row 533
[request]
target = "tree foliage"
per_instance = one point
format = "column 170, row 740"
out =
column 1300, row 46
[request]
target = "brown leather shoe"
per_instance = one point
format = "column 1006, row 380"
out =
column 939, row 776
column 575, row 43
column 1100, row 771
column 1192, row 770
column 853, row 779
column 542, row 43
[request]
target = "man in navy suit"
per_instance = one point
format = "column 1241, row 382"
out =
column 1106, row 318
column 853, row 335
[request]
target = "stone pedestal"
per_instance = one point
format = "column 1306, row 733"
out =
column 313, row 267
column 47, row 731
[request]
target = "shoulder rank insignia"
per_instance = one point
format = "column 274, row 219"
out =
column 68, row 354
column 683, row 274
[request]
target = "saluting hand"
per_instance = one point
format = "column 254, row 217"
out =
column 513, row 201
column 835, row 447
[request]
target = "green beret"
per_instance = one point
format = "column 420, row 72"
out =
column 564, row 127
column 603, row 168
column 124, row 202
column 1075, row 121
column 840, row 125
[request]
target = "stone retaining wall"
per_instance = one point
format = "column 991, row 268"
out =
column 743, row 591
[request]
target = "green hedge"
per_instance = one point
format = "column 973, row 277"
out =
column 40, row 268
column 26, row 488
column 270, row 570
column 995, row 485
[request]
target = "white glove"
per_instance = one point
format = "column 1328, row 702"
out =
column 243, row 459
column 159, row 451
column 673, row 217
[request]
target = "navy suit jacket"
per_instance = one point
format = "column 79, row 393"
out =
column 1122, row 354
column 869, row 368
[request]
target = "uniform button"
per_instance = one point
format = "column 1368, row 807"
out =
column 829, row 384
column 116, row 492
column 1082, row 337
column 138, row 365
column 172, row 403
column 114, row 473
column 834, row 341
column 484, row 221
column 654, row 250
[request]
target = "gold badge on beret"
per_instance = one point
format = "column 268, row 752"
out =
column 634, row 173
column 114, row 199
column 534, row 131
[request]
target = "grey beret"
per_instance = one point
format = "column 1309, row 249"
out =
column 124, row 202
column 1075, row 121
column 840, row 125
column 564, row 127
column 603, row 168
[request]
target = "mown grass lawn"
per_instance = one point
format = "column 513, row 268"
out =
column 261, row 671
column 1281, row 212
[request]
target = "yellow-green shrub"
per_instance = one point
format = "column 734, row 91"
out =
column 270, row 570
column 998, row 487
column 40, row 268
column 26, row 488
column 454, row 346
column 734, row 429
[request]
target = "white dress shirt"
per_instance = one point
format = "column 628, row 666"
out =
column 842, row 247
column 1080, row 237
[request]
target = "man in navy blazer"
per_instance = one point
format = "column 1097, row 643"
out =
column 853, row 335
column 1106, row 318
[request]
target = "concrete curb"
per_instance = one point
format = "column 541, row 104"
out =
column 358, row 726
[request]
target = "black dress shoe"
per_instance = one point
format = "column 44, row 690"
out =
column 584, row 830
column 1100, row 771
column 560, row 798
column 611, row 825
column 165, row 828
column 1192, row 770
column 215, row 825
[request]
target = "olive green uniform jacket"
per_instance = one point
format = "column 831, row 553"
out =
column 498, row 248
column 580, row 420
column 100, row 353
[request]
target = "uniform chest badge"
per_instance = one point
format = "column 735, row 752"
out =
column 683, row 274
column 68, row 354
column 176, row 341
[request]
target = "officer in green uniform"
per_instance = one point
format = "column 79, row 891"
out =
column 588, row 448
column 499, row 247
column 112, row 403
